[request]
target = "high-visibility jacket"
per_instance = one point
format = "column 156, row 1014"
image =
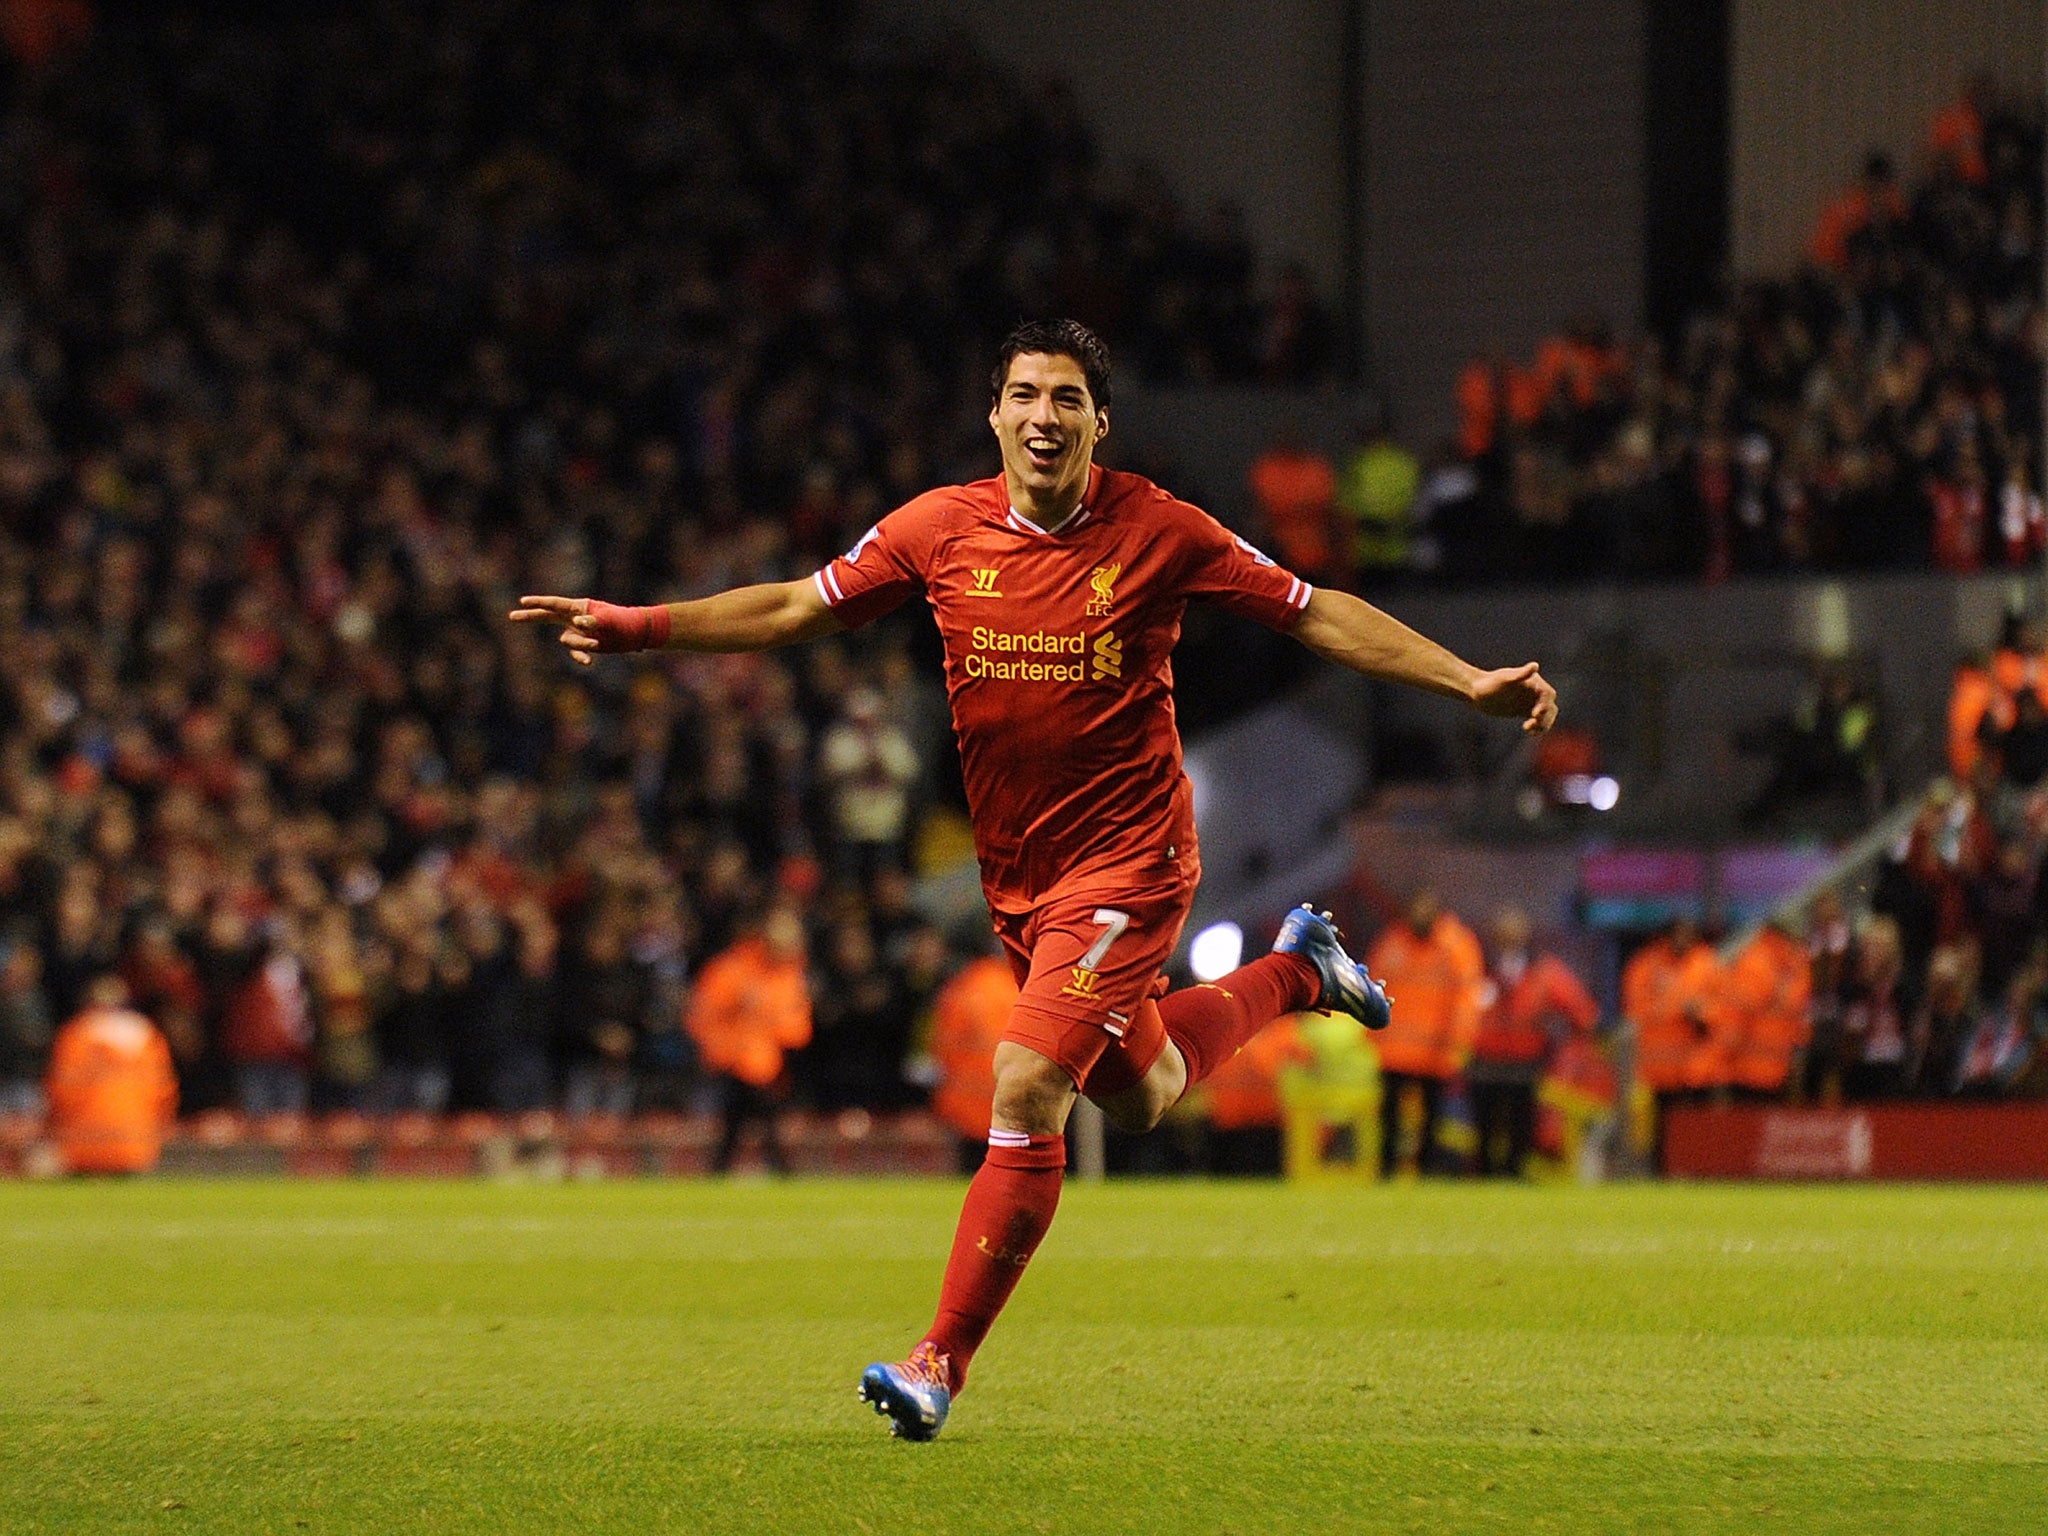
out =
column 2013, row 670
column 1666, row 996
column 1481, row 403
column 749, row 1008
column 1296, row 491
column 1974, row 697
column 1245, row 1090
column 112, row 1092
column 1760, row 1015
column 968, row 1020
column 1574, row 369
column 1434, row 979
column 1524, row 1016
column 1376, row 492
column 1843, row 220
column 1957, row 135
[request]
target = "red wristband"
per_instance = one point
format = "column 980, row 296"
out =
column 620, row 628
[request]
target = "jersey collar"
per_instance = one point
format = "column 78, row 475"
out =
column 1086, row 510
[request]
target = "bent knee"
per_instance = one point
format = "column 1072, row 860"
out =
column 1133, row 1112
column 1033, row 1094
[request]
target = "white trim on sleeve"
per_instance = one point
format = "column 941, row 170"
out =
column 818, row 581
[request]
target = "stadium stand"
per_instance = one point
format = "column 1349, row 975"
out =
column 325, row 331
column 1879, row 408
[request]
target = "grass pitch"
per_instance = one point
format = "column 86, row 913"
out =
column 1181, row 1358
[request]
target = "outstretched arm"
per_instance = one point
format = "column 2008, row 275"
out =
column 1351, row 632
column 744, row 619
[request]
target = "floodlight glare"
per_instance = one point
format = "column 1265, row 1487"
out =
column 1216, row 951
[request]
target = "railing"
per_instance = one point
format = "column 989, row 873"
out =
column 1843, row 872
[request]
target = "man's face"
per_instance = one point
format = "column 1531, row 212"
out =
column 1048, row 425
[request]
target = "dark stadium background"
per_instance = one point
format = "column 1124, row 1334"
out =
column 327, row 330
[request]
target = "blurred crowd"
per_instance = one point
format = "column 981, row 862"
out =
column 324, row 334
column 1880, row 407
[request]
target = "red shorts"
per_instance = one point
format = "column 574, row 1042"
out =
column 1087, row 963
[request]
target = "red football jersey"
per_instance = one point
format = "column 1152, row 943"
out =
column 1058, row 650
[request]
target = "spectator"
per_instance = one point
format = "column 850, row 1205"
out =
column 1876, row 1015
column 862, row 1024
column 1376, row 492
column 345, row 1050
column 1667, row 990
column 968, row 1021
column 266, row 1016
column 1759, row 1019
column 1829, row 951
column 504, row 1019
column 867, row 767
column 1295, row 491
column 608, row 1001
column 1957, row 134
column 1829, row 750
column 1433, row 964
column 1860, row 412
column 1530, row 1004
column 1242, row 1099
column 1946, row 1022
column 412, row 1025
column 111, row 1091
column 2006, row 1044
column 1951, row 849
column 750, row 1007
column 25, row 1029
column 271, row 463
column 1296, row 338
column 164, row 985
column 2022, row 746
column 1874, row 200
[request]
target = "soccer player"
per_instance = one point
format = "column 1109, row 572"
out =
column 1058, row 587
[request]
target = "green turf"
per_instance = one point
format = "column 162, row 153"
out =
column 1181, row 1357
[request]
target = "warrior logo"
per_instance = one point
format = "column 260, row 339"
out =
column 984, row 584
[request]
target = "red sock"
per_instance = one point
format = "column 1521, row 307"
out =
column 1009, row 1206
column 1211, row 1023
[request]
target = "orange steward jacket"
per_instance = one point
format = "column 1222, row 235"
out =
column 1525, row 1017
column 1434, row 980
column 1760, row 1019
column 1663, row 993
column 968, row 1021
column 112, row 1092
column 747, row 1010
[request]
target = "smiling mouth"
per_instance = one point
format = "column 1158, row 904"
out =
column 1044, row 452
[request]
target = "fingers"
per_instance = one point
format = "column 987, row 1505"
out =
column 553, row 610
column 1543, row 710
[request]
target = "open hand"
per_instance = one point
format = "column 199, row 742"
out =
column 572, row 613
column 1509, row 692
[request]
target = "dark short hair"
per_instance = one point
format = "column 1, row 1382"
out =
column 1056, row 338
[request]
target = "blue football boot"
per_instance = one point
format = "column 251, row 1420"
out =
column 1346, row 986
column 916, row 1394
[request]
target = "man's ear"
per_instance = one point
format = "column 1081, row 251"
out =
column 1102, row 424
